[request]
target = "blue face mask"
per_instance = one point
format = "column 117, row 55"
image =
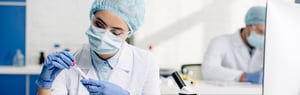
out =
column 256, row 40
column 102, row 41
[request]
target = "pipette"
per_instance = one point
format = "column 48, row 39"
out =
column 79, row 70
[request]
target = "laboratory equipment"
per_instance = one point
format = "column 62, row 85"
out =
column 184, row 90
column 79, row 70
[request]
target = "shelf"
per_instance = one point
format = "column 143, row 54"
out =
column 35, row 70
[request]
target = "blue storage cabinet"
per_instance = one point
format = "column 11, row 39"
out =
column 33, row 87
column 16, row 84
column 12, row 30
column 13, row 37
column 13, row 84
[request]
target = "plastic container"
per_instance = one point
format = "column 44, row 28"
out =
column 18, row 59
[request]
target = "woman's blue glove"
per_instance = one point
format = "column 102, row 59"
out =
column 54, row 64
column 256, row 77
column 96, row 87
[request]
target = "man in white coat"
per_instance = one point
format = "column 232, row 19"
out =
column 113, row 66
column 238, row 57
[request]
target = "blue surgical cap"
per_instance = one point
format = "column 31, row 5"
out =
column 131, row 11
column 256, row 15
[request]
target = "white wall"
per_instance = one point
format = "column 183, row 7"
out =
column 55, row 21
column 282, row 48
column 179, row 30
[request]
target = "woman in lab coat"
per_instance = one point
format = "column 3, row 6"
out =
column 113, row 66
column 238, row 57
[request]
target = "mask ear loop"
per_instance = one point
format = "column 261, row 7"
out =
column 129, row 34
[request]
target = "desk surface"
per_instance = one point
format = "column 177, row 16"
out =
column 215, row 88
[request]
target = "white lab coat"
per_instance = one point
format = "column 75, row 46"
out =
column 228, row 57
column 136, row 72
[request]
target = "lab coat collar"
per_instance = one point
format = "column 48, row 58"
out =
column 242, row 48
column 121, row 74
column 126, row 58
column 81, row 60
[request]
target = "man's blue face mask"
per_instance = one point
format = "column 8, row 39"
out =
column 256, row 40
column 102, row 41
